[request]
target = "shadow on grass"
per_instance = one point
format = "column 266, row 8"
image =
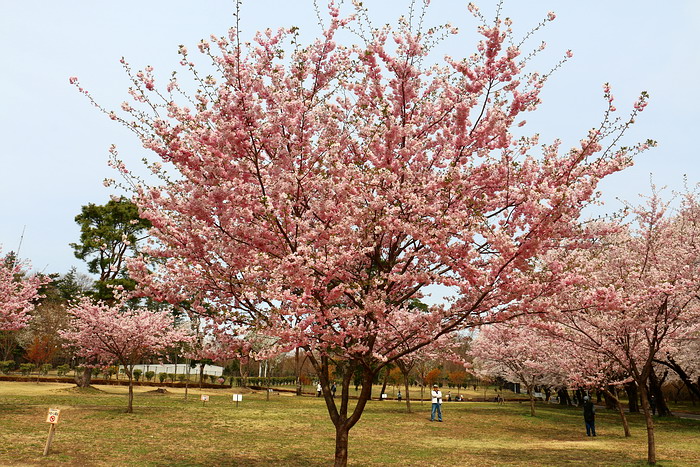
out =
column 225, row 460
column 567, row 455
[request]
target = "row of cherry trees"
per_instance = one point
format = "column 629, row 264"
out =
column 630, row 300
column 312, row 194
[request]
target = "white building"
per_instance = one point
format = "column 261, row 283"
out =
column 179, row 369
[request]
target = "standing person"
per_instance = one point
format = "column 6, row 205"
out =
column 437, row 403
column 318, row 389
column 589, row 416
column 333, row 388
column 398, row 396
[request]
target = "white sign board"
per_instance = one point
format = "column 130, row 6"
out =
column 52, row 417
column 205, row 398
column 384, row 396
column 237, row 397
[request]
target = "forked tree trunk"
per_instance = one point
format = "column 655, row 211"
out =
column 405, row 371
column 530, row 388
column 342, row 420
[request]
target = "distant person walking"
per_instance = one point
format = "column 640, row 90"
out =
column 589, row 416
column 436, row 395
column 318, row 390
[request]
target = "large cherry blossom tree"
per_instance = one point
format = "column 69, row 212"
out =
column 18, row 292
column 635, row 294
column 319, row 189
column 109, row 334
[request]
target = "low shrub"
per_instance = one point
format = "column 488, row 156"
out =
column 7, row 366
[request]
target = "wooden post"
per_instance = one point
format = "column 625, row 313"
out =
column 51, row 418
column 52, row 430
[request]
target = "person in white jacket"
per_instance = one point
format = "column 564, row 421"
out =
column 437, row 403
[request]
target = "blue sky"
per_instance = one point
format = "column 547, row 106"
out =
column 53, row 156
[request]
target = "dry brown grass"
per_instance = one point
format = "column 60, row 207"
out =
column 166, row 430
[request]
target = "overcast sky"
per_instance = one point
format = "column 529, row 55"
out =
column 53, row 156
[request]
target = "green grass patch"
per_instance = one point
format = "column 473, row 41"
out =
column 167, row 430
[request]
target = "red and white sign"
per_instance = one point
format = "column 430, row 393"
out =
column 205, row 398
column 52, row 417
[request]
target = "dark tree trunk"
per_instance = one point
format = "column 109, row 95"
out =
column 651, row 442
column 564, row 398
column 297, row 370
column 655, row 389
column 341, row 446
column 693, row 387
column 130, row 408
column 610, row 398
column 384, row 383
column 408, row 396
column 83, row 378
column 632, row 396
column 598, row 396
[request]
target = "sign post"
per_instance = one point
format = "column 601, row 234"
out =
column 205, row 399
column 51, row 418
column 237, row 398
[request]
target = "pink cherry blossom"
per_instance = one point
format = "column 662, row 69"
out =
column 321, row 191
column 18, row 292
column 110, row 334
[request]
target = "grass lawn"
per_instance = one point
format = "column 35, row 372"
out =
column 166, row 430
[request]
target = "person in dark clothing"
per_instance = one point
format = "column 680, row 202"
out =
column 589, row 416
column 652, row 404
